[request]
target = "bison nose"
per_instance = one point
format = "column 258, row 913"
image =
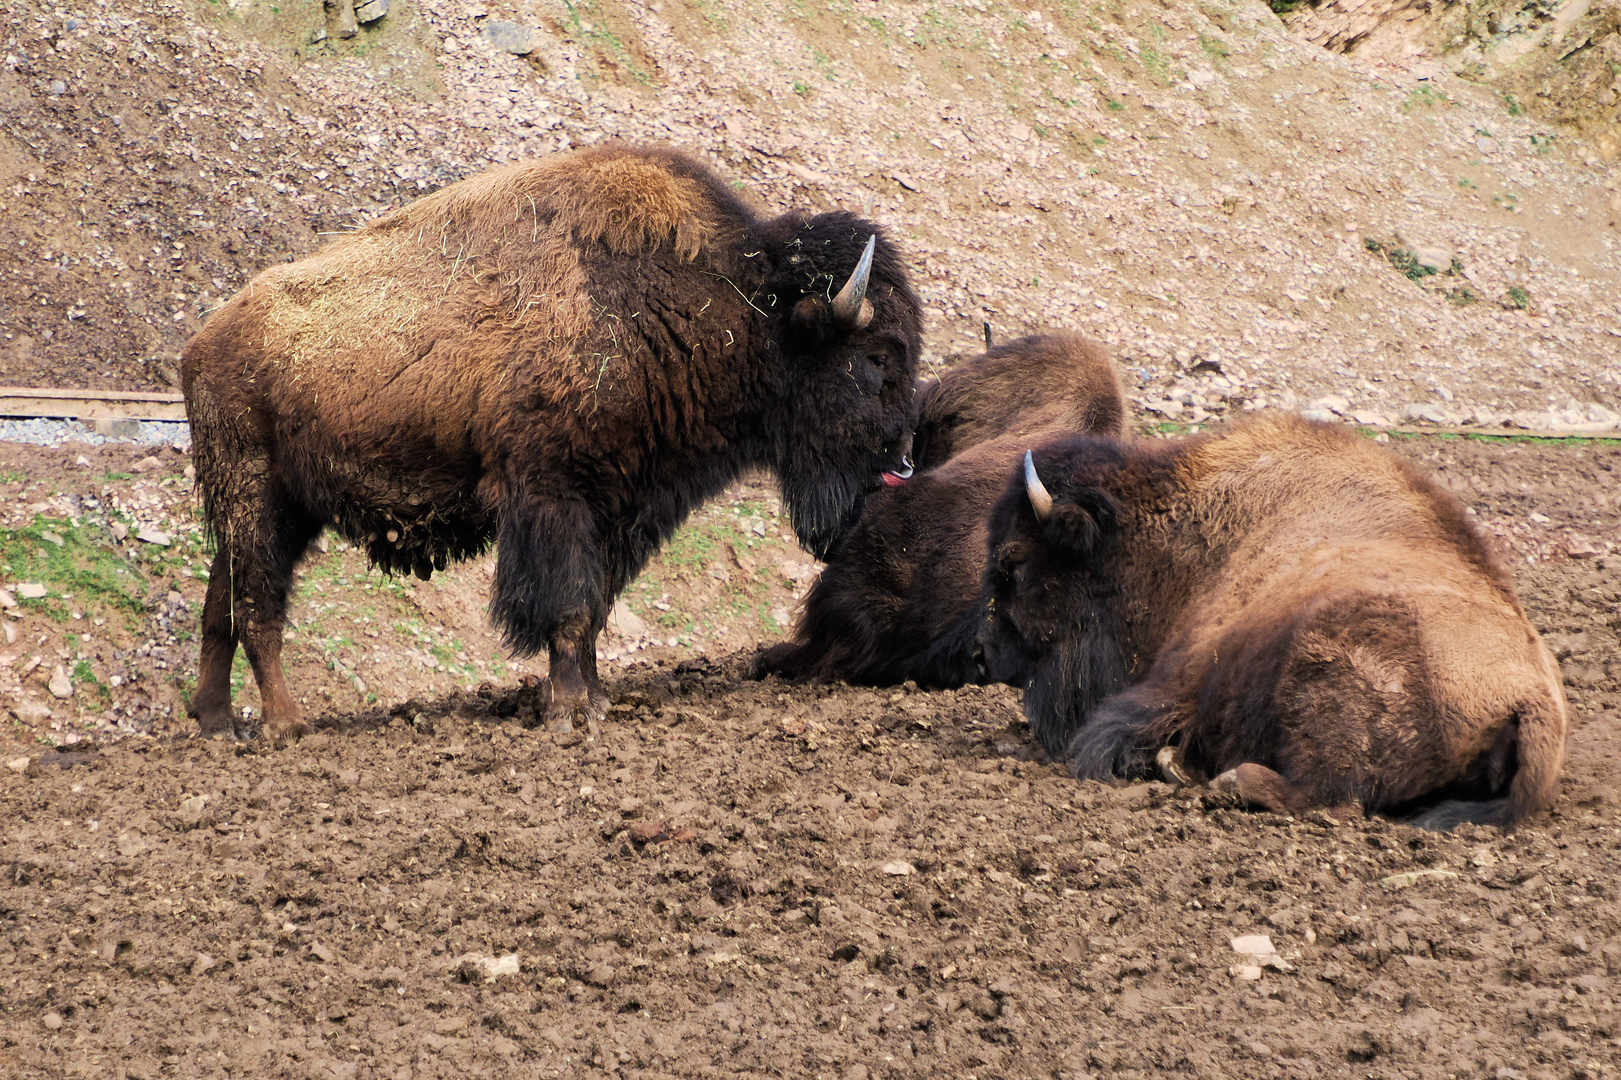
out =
column 979, row 664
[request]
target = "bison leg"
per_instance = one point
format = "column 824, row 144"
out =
column 576, row 693
column 246, row 603
column 211, row 705
column 1266, row 788
column 1121, row 737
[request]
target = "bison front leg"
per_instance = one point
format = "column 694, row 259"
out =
column 576, row 693
column 550, row 592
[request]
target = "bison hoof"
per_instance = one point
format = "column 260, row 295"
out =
column 285, row 731
column 562, row 716
column 781, row 659
column 1171, row 769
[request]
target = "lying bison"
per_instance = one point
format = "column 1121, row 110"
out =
column 890, row 604
column 563, row 357
column 1286, row 600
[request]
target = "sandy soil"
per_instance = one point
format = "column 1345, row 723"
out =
column 740, row 878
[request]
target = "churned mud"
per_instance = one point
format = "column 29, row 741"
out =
column 749, row 878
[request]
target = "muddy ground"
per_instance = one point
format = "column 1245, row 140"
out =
column 746, row 878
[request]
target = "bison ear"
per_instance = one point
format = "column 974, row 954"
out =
column 1081, row 521
column 812, row 319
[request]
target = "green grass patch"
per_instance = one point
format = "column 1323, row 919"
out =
column 83, row 566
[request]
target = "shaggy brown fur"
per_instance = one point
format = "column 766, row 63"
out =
column 564, row 357
column 1035, row 388
column 883, row 610
column 1284, row 596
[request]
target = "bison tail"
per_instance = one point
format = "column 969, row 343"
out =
column 1536, row 736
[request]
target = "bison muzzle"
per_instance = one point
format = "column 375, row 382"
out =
column 1286, row 602
column 562, row 358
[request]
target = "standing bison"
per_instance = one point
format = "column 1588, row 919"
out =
column 1285, row 600
column 890, row 605
column 563, row 357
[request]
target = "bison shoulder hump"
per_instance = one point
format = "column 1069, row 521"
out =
column 628, row 199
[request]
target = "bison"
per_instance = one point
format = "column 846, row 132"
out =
column 562, row 357
column 890, row 604
column 1284, row 600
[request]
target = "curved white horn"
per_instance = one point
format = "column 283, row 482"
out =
column 851, row 308
column 1041, row 501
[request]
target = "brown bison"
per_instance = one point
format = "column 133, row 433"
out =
column 1285, row 600
column 564, row 357
column 890, row 604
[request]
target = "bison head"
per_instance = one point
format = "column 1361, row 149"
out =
column 846, row 325
column 1049, row 624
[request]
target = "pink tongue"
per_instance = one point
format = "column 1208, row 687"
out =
column 893, row 480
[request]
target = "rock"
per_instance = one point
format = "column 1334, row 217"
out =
column 116, row 428
column 31, row 590
column 897, row 869
column 119, row 530
column 146, row 465
column 153, row 536
column 601, row 974
column 905, row 181
column 51, row 537
column 201, row 964
column 1245, row 972
column 1321, row 415
column 1334, row 403
column 1370, row 419
column 82, row 462
column 322, row 953
column 10, row 630
column 53, row 1020
column 1433, row 258
column 19, row 764
column 60, row 686
column 58, row 87
column 348, row 27
column 1253, row 945
column 1580, row 547
column 7, row 601
column 370, row 11
column 1019, row 131
column 509, row 37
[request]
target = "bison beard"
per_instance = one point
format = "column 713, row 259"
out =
column 1287, row 606
column 564, row 358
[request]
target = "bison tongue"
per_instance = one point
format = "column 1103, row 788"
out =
column 894, row 479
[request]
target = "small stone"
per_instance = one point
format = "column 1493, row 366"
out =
column 58, row 87
column 10, row 631
column 600, row 975
column 1245, row 972
column 322, row 953
column 1019, row 131
column 898, row 869
column 30, row 590
column 1260, row 1049
column 59, row 686
column 509, row 37
column 1370, row 419
column 625, row 622
column 1334, row 403
column 53, row 1020
column 201, row 964
column 153, row 536
column 82, row 462
column 1253, row 945
column 7, row 601
column 19, row 764
column 119, row 530
column 906, row 181
column 1580, row 547
column 146, row 464
column 370, row 11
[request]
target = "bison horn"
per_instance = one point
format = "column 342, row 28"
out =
column 1041, row 501
column 851, row 308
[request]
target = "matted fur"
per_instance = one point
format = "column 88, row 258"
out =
column 1284, row 597
column 890, row 604
column 563, row 357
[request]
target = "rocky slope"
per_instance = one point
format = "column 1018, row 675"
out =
column 1249, row 218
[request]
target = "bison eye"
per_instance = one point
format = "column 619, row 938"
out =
column 879, row 361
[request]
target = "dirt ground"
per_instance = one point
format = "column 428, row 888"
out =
column 742, row 878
